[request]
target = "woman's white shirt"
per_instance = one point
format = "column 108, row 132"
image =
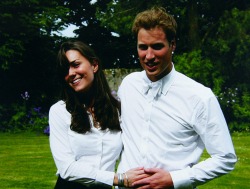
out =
column 86, row 158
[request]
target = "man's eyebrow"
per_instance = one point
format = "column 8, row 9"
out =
column 158, row 43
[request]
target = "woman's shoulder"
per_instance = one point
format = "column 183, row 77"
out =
column 59, row 103
column 59, row 106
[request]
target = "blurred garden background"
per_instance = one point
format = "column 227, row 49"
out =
column 213, row 47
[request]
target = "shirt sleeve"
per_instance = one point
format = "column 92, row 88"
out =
column 210, row 124
column 68, row 167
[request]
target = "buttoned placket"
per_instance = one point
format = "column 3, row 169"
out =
column 100, row 141
column 100, row 135
column 150, row 98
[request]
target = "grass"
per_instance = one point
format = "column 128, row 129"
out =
column 239, row 177
column 26, row 163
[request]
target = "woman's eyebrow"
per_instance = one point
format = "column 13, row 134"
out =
column 72, row 62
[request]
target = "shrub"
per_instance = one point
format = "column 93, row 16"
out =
column 23, row 116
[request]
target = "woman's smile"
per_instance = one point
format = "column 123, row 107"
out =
column 81, row 72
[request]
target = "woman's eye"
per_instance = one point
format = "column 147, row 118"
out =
column 75, row 65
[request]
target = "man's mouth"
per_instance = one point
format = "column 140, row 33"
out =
column 151, row 66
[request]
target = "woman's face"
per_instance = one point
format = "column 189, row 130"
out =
column 81, row 72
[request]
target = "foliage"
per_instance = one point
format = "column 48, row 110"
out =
column 229, row 47
column 23, row 116
column 21, row 21
column 118, row 15
column 195, row 18
column 241, row 111
column 114, row 51
column 234, row 101
column 28, row 48
column 200, row 68
column 229, row 51
column 213, row 45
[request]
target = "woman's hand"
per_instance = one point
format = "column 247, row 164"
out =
column 133, row 175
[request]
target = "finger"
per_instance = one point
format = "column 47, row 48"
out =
column 143, row 181
column 139, row 177
column 143, row 187
column 139, row 172
column 138, row 168
column 151, row 170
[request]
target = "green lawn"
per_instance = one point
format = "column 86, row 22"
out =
column 239, row 177
column 26, row 163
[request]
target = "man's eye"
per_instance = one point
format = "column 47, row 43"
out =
column 143, row 47
column 157, row 46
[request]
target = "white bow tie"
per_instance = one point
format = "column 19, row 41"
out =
column 153, row 88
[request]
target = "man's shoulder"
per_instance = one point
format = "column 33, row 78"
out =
column 132, row 81
column 134, row 76
column 192, row 85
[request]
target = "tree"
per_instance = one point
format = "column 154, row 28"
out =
column 27, row 48
column 212, row 44
column 229, row 46
column 100, row 37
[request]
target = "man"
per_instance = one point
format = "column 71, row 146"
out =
column 167, row 118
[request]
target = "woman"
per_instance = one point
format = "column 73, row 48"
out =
column 85, row 134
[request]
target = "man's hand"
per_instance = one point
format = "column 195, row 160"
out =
column 159, row 179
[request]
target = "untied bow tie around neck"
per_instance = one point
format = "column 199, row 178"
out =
column 153, row 88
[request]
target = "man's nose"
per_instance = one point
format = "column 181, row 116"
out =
column 150, row 54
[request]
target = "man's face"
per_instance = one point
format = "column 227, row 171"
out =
column 155, row 52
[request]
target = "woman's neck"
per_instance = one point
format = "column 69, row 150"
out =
column 87, row 99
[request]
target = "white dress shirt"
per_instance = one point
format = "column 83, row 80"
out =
column 168, row 123
column 86, row 158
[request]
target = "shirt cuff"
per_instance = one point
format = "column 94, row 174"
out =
column 105, row 177
column 181, row 179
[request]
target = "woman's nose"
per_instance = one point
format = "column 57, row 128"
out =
column 71, row 71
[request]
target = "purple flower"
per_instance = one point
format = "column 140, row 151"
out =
column 113, row 92
column 46, row 130
column 25, row 96
column 38, row 109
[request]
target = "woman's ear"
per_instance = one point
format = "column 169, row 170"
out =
column 95, row 66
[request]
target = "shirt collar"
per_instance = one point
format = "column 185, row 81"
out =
column 162, row 86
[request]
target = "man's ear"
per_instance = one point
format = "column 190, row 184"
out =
column 95, row 66
column 173, row 44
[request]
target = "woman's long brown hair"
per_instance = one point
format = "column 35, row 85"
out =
column 106, row 106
